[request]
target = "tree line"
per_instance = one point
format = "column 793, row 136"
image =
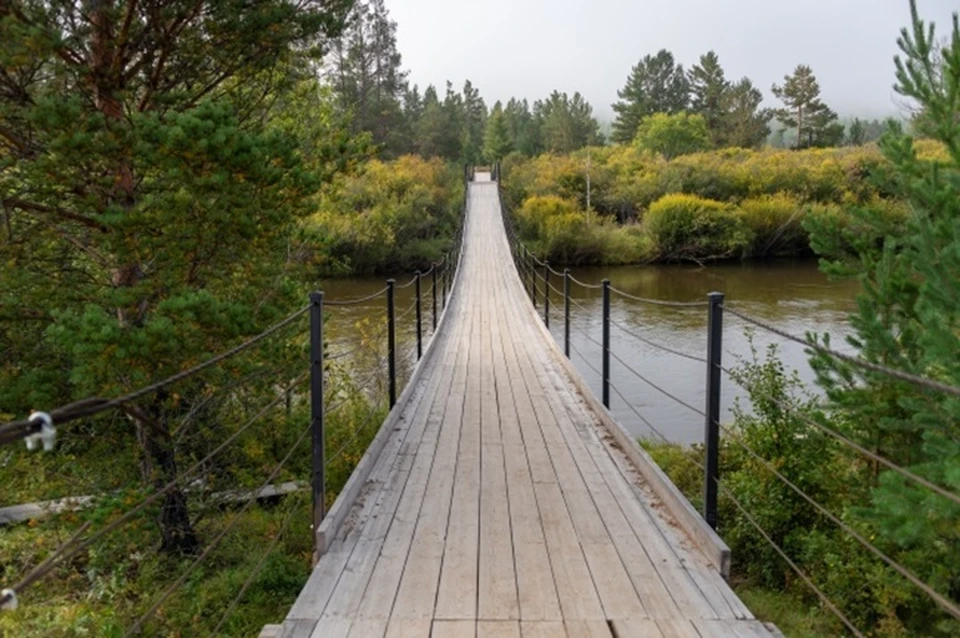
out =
column 673, row 110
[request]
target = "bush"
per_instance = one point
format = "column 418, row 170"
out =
column 690, row 227
column 776, row 222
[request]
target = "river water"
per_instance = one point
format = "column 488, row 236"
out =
column 793, row 295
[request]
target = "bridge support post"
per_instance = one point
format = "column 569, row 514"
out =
column 318, row 482
column 712, row 421
column 606, row 343
column 445, row 278
column 433, row 289
column 566, row 312
column 546, row 294
column 533, row 283
column 419, row 321
column 392, row 340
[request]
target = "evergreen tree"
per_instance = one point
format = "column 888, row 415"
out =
column 134, row 162
column 908, row 317
column 524, row 128
column 566, row 124
column 655, row 85
column 743, row 123
column 497, row 141
column 803, row 110
column 857, row 132
column 365, row 69
column 708, row 90
column 474, row 124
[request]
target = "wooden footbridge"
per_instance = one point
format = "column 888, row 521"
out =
column 501, row 500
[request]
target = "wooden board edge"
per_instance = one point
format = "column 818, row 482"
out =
column 710, row 543
column 348, row 495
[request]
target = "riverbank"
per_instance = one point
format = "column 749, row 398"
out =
column 730, row 204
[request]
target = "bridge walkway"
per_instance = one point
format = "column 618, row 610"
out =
column 499, row 504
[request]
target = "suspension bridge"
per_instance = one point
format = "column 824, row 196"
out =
column 500, row 501
column 499, row 497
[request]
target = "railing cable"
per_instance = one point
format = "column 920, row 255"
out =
column 911, row 476
column 806, row 579
column 947, row 605
column 659, row 302
column 853, row 360
column 655, row 386
column 355, row 301
column 92, row 406
column 70, row 549
column 656, row 345
column 138, row 625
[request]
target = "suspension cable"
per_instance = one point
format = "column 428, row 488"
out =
column 88, row 407
column 70, row 549
column 659, row 302
column 947, row 605
column 656, row 345
column 857, row 361
column 354, row 301
column 806, row 579
column 258, row 567
column 655, row 386
column 138, row 625
column 845, row 440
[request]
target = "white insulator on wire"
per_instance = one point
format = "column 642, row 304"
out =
column 10, row 600
column 47, row 434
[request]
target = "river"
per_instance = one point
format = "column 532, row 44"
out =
column 794, row 295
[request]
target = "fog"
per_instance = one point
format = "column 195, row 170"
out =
column 527, row 48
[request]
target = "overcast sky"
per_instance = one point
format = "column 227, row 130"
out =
column 527, row 48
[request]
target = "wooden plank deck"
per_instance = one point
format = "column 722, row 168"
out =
column 498, row 507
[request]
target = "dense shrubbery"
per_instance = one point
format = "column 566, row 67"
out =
column 393, row 216
column 770, row 192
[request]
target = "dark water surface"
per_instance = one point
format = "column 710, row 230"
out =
column 793, row 295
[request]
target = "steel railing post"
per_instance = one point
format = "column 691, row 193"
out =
column 566, row 312
column 712, row 421
column 392, row 340
column 546, row 294
column 434, row 292
column 318, row 462
column 419, row 321
column 606, row 343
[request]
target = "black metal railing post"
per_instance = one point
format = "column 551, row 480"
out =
column 445, row 278
column 434, row 292
column 712, row 422
column 566, row 312
column 419, row 321
column 546, row 294
column 606, row 343
column 392, row 340
column 533, row 283
column 316, row 416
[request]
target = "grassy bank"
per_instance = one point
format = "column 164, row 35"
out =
column 726, row 204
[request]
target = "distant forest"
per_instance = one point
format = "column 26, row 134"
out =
column 371, row 88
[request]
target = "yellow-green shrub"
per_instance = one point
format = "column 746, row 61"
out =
column 691, row 227
column 776, row 223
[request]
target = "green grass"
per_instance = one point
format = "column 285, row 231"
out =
column 790, row 613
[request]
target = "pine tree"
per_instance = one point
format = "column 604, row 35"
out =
column 908, row 317
column 365, row 69
column 566, row 124
column 524, row 128
column 496, row 140
column 474, row 124
column 803, row 110
column 743, row 123
column 708, row 90
column 134, row 162
column 655, row 85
